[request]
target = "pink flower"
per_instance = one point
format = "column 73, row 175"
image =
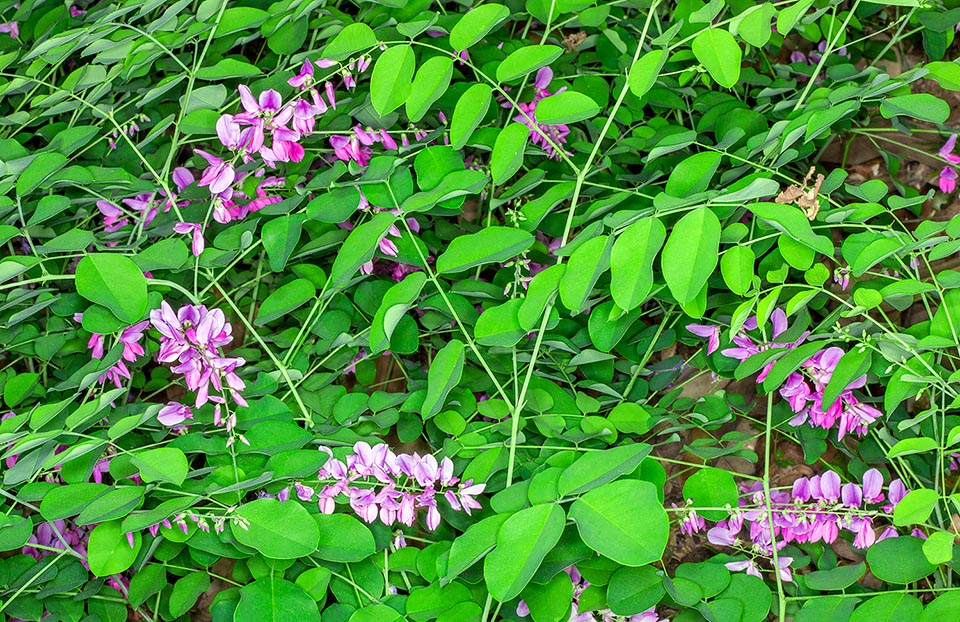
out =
column 174, row 414
column 946, row 152
column 11, row 28
column 196, row 230
column 711, row 332
column 948, row 180
column 219, row 175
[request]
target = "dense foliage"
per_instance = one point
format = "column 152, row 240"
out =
column 546, row 310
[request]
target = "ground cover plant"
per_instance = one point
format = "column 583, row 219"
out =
column 536, row 311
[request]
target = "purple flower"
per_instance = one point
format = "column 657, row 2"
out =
column 219, row 175
column 948, row 180
column 946, row 152
column 705, row 330
column 196, row 230
column 174, row 414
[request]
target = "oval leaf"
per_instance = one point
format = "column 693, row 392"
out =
column 720, row 55
column 690, row 254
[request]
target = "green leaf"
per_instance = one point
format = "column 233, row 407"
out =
column 475, row 24
column 359, row 248
column 165, row 464
column 828, row 609
column 343, row 538
column 500, row 325
column 315, row 582
column 889, row 608
column 718, row 52
column 114, row 282
column 285, row 299
column 643, row 74
column 693, row 174
column 789, row 363
column 791, row 221
column 354, row 38
column 375, row 613
column 690, row 254
column 566, row 107
column 634, row 590
column 922, row 106
column 396, row 302
column 146, row 582
column 852, row 365
column 48, row 207
column 899, row 560
column 430, row 83
column 108, row 551
column 289, row 38
column 443, row 375
column 186, row 591
column 275, row 600
column 278, row 529
column 114, row 504
column 525, row 60
column 916, row 507
column 523, row 541
column 839, row 578
column 468, row 113
column 946, row 74
column 65, row 501
column 539, row 292
column 938, row 547
column 711, row 488
column 38, row 171
column 280, row 236
column 607, row 520
column 940, row 610
column 736, row 267
column 392, row 79
column 507, row 156
column 631, row 262
column 550, row 602
column 228, row 68
column 235, row 19
column 596, row 468
column 753, row 25
column 587, row 263
column 14, row 531
column 490, row 245
column 467, row 549
column 334, row 206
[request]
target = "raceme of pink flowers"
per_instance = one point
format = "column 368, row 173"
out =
column 191, row 339
column 803, row 389
column 546, row 136
column 394, row 488
column 817, row 509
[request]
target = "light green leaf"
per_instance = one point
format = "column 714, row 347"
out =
column 392, row 79
column 356, row 37
column 607, row 520
column 285, row 299
column 507, row 157
column 115, row 282
column 108, row 551
column 525, row 60
column 718, row 52
column 690, row 254
column 430, row 83
column 631, row 262
column 444, row 374
column 489, row 245
column 522, row 543
column 278, row 529
column 643, row 74
column 566, row 107
column 475, row 24
column 468, row 113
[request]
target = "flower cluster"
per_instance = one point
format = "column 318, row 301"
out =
column 146, row 206
column 391, row 487
column 948, row 175
column 130, row 338
column 814, row 56
column 803, row 389
column 817, row 509
column 546, row 136
column 192, row 338
column 579, row 585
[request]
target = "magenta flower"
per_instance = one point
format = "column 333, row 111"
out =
column 11, row 28
column 711, row 332
column 196, row 230
column 219, row 175
column 948, row 180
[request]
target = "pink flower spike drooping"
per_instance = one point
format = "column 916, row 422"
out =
column 219, row 175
